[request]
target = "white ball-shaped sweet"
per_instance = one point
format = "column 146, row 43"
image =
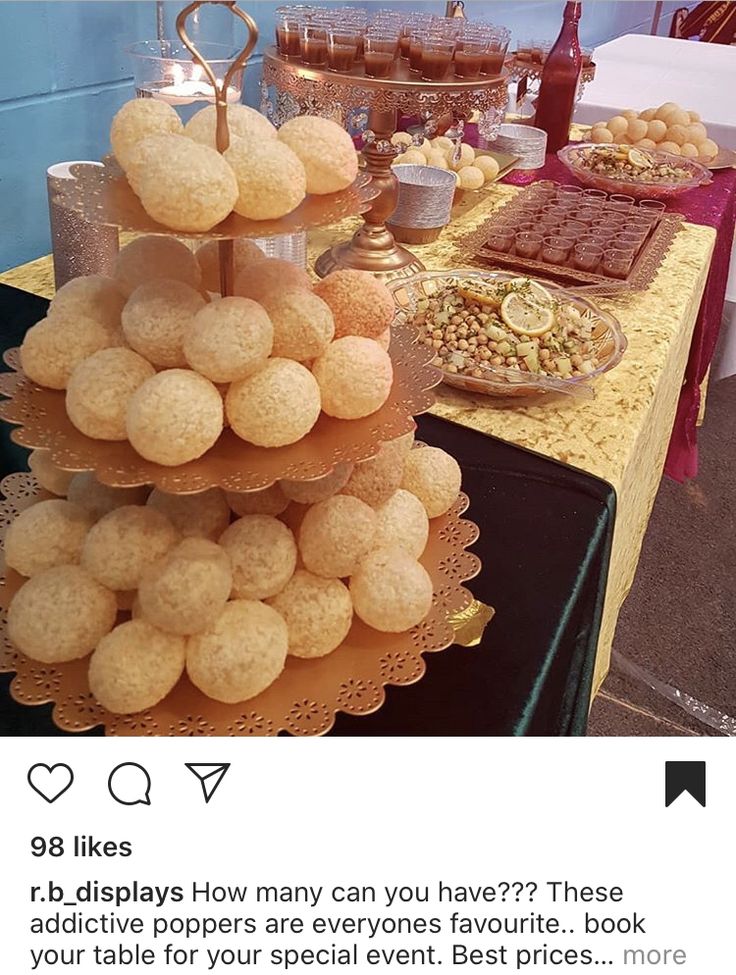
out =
column 53, row 347
column 47, row 534
column 93, row 296
column 271, row 178
column 401, row 139
column 488, row 166
column 155, row 318
column 434, row 477
column 412, row 157
column 245, row 252
column 437, row 158
column 241, row 654
column 276, row 406
column 138, row 119
column 601, row 135
column 124, row 543
column 242, row 122
column 152, row 257
column 326, row 151
column 318, row 613
column 174, row 417
column 99, row 390
column 359, row 302
column 203, row 515
column 269, row 501
column 263, row 554
column 319, row 489
column 402, row 521
column 99, row 499
column 465, row 157
column 390, row 590
column 303, row 324
column 229, row 339
column 355, row 377
column 262, row 279
column 51, row 478
column 471, row 178
column 442, row 142
column 60, row 614
column 335, row 535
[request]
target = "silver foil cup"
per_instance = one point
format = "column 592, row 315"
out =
column 424, row 204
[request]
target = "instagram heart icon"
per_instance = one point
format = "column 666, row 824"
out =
column 50, row 781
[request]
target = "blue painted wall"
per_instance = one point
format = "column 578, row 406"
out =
column 64, row 74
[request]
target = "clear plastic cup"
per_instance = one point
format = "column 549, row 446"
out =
column 528, row 243
column 437, row 53
column 587, row 255
column 556, row 248
column 380, row 53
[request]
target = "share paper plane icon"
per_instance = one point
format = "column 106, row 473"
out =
column 210, row 775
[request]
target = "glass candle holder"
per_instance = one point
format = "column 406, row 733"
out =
column 164, row 70
column 437, row 55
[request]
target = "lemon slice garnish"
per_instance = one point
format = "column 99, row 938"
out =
column 536, row 290
column 526, row 317
column 638, row 159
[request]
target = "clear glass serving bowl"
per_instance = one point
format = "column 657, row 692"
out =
column 699, row 175
column 610, row 341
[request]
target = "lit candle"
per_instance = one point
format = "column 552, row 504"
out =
column 185, row 90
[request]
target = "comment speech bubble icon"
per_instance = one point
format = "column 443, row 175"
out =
column 130, row 784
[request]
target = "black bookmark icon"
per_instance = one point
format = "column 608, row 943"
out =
column 682, row 777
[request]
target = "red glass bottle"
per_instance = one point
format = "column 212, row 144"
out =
column 559, row 85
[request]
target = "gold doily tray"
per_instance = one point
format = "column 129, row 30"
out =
column 307, row 695
column 102, row 195
column 232, row 463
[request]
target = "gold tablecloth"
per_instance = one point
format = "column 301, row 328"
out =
column 621, row 435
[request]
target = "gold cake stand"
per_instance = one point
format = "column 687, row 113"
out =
column 378, row 103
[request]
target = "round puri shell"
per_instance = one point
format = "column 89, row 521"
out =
column 99, row 389
column 402, row 521
column 49, row 476
column 92, row 296
column 46, row 534
column 203, row 515
column 354, row 376
column 155, row 318
column 276, row 406
column 99, row 499
column 54, row 346
column 434, row 477
column 245, row 252
column 270, row 276
column 138, row 119
column 335, row 535
column 326, row 151
column 269, row 501
column 174, row 417
column 184, row 185
column 488, row 166
column 60, row 614
column 375, row 480
column 152, row 257
column 318, row 613
column 391, row 591
column 242, row 123
column 241, row 654
column 271, row 178
column 186, row 590
column 124, row 542
column 303, row 325
column 360, row 303
column 263, row 555
column 471, row 178
column 135, row 666
column 229, row 339
column 319, row 489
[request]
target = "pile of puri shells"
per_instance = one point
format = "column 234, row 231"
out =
column 471, row 169
column 151, row 355
column 222, row 585
column 668, row 128
column 185, row 184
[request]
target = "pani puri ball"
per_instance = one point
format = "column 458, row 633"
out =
column 669, row 147
column 243, row 123
column 271, row 179
column 229, row 339
column 60, row 614
column 390, row 590
column 617, row 125
column 335, row 535
column 375, row 480
column 136, row 666
column 186, row 590
column 384, row 339
column 263, row 553
column 678, row 117
column 53, row 347
column 100, row 388
column 186, row 186
column 318, row 613
column 93, row 296
column 656, row 130
column 442, row 142
column 402, row 521
column 636, row 129
column 269, row 501
column 694, row 116
column 354, row 376
column 629, row 113
column 471, row 178
column 689, row 151
column 124, row 543
column 412, row 157
column 152, row 257
column 665, row 110
column 648, row 114
column 276, row 406
column 696, row 133
column 677, row 133
column 645, row 144
column 245, row 252
column 138, row 119
column 303, row 324
column 174, row 417
column 202, row 515
column 360, row 303
column 467, row 155
column 601, row 135
column 155, row 317
column 436, row 157
column 99, row 499
column 51, row 478
column 434, row 477
column 241, row 654
column 488, row 166
column 318, row 489
column 707, row 150
column 326, row 151
column 263, row 278
column 401, row 139
column 47, row 534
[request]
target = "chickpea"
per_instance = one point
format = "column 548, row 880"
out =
column 511, row 360
column 497, row 360
column 437, row 334
column 437, row 361
column 477, row 373
column 473, row 342
column 482, row 339
column 484, row 354
column 493, row 346
column 451, row 367
column 456, row 320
